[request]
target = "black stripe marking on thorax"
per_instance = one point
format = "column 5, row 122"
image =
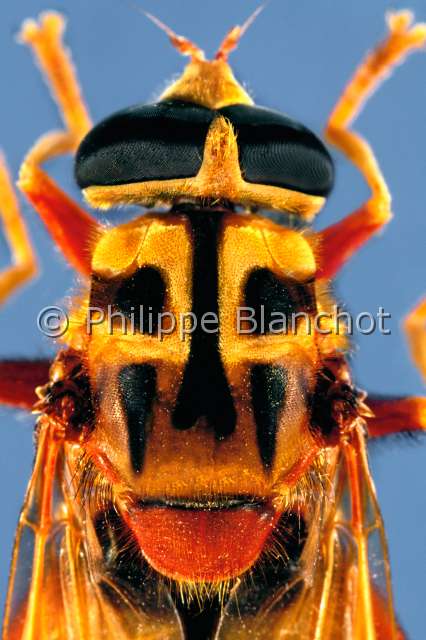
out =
column 205, row 391
column 268, row 391
column 137, row 383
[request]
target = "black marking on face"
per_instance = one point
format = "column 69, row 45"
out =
column 268, row 390
column 205, row 392
column 145, row 288
column 278, row 151
column 137, row 383
column 161, row 141
column 264, row 289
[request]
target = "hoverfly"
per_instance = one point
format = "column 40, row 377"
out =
column 202, row 483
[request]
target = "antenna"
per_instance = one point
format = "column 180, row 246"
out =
column 183, row 45
column 233, row 37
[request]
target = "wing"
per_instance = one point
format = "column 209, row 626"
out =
column 53, row 594
column 367, row 608
column 342, row 589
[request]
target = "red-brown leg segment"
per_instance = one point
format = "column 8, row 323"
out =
column 340, row 241
column 19, row 379
column 394, row 415
column 70, row 226
column 73, row 230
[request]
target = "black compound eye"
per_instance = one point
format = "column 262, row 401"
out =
column 145, row 289
column 160, row 141
column 278, row 151
column 267, row 295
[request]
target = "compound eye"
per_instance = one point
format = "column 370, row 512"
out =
column 268, row 295
column 278, row 151
column 161, row 141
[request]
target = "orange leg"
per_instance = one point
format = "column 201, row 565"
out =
column 415, row 327
column 70, row 226
column 24, row 265
column 45, row 39
column 340, row 241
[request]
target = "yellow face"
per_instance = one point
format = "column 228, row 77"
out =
column 191, row 420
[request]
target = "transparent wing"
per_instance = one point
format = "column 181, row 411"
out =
column 342, row 590
column 360, row 520
column 52, row 594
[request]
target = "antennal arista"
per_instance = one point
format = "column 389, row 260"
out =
column 234, row 36
column 183, row 45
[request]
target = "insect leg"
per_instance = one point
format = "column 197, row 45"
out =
column 24, row 264
column 70, row 226
column 415, row 328
column 393, row 415
column 19, row 379
column 341, row 240
column 45, row 39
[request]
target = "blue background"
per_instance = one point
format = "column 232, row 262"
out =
column 296, row 58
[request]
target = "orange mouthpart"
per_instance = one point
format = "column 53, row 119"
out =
column 202, row 545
